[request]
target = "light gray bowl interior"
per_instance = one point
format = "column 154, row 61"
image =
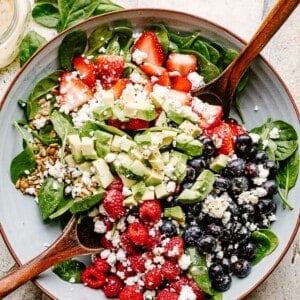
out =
column 27, row 235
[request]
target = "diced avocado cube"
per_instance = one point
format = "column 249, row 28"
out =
column 190, row 129
column 136, row 154
column 75, row 144
column 156, row 162
column 138, row 190
column 130, row 202
column 182, row 140
column 103, row 112
column 107, row 97
column 187, row 113
column 102, row 172
column 126, row 181
column 139, row 169
column 70, row 161
column 188, row 196
column 178, row 160
column 172, row 114
column 165, row 157
column 175, row 212
column 219, row 163
column 194, row 148
column 87, row 148
column 103, row 142
column 116, row 143
column 204, row 183
column 161, row 121
column 161, row 191
column 168, row 137
column 86, row 167
column 144, row 138
column 127, row 144
column 118, row 112
column 154, row 178
column 158, row 96
column 148, row 194
column 139, row 110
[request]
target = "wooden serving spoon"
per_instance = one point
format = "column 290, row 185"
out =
column 76, row 239
column 221, row 91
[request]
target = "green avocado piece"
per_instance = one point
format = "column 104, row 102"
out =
column 219, row 163
column 84, row 204
column 175, row 212
column 188, row 196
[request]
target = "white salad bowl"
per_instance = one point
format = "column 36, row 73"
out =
column 26, row 235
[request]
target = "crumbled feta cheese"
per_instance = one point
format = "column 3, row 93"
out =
column 186, row 293
column 233, row 259
column 171, row 186
column 40, row 122
column 126, row 191
column 255, row 137
column 274, row 133
column 247, row 197
column 184, row 261
column 196, row 80
column 139, row 56
column 216, row 206
column 110, row 157
column 100, row 227
column 149, row 295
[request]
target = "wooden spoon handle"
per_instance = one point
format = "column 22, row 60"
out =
column 64, row 247
column 277, row 16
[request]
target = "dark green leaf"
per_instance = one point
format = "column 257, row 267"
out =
column 214, row 54
column 73, row 11
column 30, row 43
column 72, row 45
column 45, row 135
column 23, row 163
column 54, row 2
column 113, row 46
column 162, row 35
column 80, row 205
column 62, row 208
column 50, row 195
column 99, row 38
column 46, row 14
column 69, row 270
column 43, row 87
column 106, row 6
column 88, row 128
column 201, row 47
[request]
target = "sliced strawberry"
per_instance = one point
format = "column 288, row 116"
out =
column 152, row 69
column 181, row 83
column 116, row 123
column 148, row 87
column 210, row 115
column 179, row 96
column 110, row 69
column 164, row 79
column 236, row 129
column 182, row 63
column 86, row 70
column 136, row 124
column 148, row 43
column 119, row 86
column 224, row 134
column 73, row 92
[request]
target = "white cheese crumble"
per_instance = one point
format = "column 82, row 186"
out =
column 100, row 227
column 255, row 137
column 184, row 261
column 196, row 80
column 186, row 293
column 274, row 133
column 216, row 206
column 40, row 122
column 139, row 56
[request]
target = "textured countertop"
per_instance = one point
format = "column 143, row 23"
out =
column 241, row 17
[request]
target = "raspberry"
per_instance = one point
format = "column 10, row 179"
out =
column 170, row 270
column 124, row 271
column 126, row 243
column 131, row 292
column 154, row 238
column 137, row 263
column 113, row 204
column 200, row 295
column 166, row 295
column 93, row 278
column 136, row 124
column 101, row 265
column 174, row 247
column 138, row 233
column 150, row 211
column 105, row 243
column 113, row 286
column 117, row 184
column 152, row 279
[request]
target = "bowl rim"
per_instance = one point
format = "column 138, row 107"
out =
column 166, row 11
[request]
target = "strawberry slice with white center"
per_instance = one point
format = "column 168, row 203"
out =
column 210, row 115
column 110, row 69
column 86, row 70
column 73, row 92
column 181, row 83
column 179, row 97
column 119, row 86
column 182, row 63
column 152, row 69
column 147, row 49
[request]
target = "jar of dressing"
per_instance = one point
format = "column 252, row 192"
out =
column 14, row 16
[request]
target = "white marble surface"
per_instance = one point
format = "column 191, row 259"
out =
column 243, row 18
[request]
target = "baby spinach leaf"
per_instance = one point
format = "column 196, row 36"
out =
column 99, row 38
column 43, row 87
column 72, row 11
column 46, row 14
column 30, row 43
column 162, row 35
column 200, row 47
column 106, row 6
column 113, row 46
column 266, row 242
column 69, row 270
column 72, row 45
column 50, row 196
column 214, row 54
column 21, row 164
column 62, row 208
column 45, row 135
column 83, row 204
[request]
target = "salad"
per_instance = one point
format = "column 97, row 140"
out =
column 182, row 200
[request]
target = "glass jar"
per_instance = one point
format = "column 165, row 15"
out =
column 14, row 16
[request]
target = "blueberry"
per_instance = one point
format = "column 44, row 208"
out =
column 241, row 268
column 251, row 169
column 168, row 228
column 206, row 244
column 248, row 209
column 190, row 174
column 234, row 209
column 214, row 230
column 222, row 283
column 270, row 186
column 191, row 235
column 260, row 157
column 215, row 270
column 186, row 185
column 265, row 207
column 272, row 167
column 239, row 184
column 243, row 144
column 198, row 164
column 236, row 167
column 248, row 250
column 241, row 234
column 209, row 148
column 221, row 183
column 251, row 154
